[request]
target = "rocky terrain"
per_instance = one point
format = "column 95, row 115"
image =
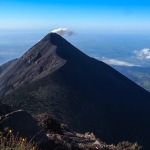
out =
column 56, row 78
column 51, row 135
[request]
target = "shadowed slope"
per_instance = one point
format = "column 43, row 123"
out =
column 78, row 90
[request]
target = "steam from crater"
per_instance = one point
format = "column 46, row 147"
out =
column 63, row 31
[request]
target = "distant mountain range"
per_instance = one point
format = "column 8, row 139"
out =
column 88, row 95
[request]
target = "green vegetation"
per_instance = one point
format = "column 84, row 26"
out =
column 9, row 141
column 143, row 79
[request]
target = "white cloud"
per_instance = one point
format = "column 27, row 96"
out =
column 117, row 62
column 147, row 57
column 143, row 54
column 63, row 31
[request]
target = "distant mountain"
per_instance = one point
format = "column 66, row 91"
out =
column 88, row 95
column 139, row 75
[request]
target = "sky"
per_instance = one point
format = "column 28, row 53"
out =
column 106, row 15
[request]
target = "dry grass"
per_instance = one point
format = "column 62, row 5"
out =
column 9, row 141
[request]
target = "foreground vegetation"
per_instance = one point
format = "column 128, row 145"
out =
column 9, row 141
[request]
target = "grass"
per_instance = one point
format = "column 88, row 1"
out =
column 9, row 141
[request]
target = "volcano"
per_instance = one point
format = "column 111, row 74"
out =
column 55, row 77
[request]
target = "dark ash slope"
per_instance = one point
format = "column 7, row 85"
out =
column 88, row 95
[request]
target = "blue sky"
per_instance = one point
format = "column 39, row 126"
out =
column 112, row 15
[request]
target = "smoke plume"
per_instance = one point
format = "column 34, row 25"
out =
column 63, row 31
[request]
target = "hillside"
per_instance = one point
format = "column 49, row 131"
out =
column 20, row 131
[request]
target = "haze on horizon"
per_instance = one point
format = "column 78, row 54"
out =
column 108, row 15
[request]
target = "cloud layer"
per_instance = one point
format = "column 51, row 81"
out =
column 117, row 62
column 143, row 54
column 63, row 31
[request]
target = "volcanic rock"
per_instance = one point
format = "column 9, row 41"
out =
column 22, row 124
